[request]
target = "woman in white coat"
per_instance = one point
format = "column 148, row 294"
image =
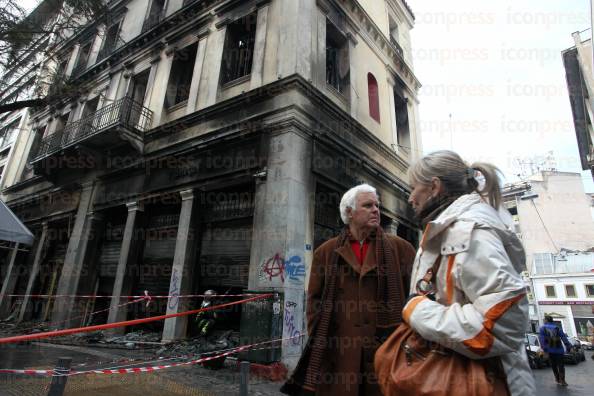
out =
column 478, row 307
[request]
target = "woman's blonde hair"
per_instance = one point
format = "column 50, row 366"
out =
column 457, row 176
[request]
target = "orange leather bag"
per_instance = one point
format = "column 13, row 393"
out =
column 407, row 364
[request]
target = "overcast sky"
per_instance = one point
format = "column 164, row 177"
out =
column 496, row 68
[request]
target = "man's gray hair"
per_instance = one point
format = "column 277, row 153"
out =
column 349, row 199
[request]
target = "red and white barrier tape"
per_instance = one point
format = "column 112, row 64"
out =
column 134, row 370
column 133, row 322
column 139, row 296
column 52, row 324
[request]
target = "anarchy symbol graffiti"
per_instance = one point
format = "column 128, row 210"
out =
column 274, row 267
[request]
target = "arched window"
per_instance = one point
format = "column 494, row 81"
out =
column 374, row 110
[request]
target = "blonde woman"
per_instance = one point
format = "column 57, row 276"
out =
column 475, row 304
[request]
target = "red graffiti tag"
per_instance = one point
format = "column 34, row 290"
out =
column 274, row 266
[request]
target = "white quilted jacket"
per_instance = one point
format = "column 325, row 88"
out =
column 480, row 309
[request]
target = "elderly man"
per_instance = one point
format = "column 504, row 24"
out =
column 357, row 288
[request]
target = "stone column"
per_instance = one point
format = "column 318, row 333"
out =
column 392, row 105
column 10, row 280
column 160, row 85
column 127, row 259
column 259, row 47
column 196, row 75
column 72, row 60
column 34, row 270
column 320, row 72
column 96, row 46
column 353, row 95
column 181, row 271
column 75, row 256
column 209, row 80
column 283, row 231
column 112, row 89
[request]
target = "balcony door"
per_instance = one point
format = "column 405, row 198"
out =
column 88, row 121
column 137, row 92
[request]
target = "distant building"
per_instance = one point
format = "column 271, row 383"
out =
column 563, row 286
column 552, row 218
column 580, row 83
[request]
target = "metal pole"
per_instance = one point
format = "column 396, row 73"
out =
column 244, row 377
column 59, row 378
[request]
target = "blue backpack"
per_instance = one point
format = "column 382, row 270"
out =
column 553, row 337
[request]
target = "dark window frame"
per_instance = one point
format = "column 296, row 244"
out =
column 337, row 50
column 181, row 74
column 238, row 52
column 573, row 295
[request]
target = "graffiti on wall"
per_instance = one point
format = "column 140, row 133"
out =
column 174, row 290
column 295, row 269
column 291, row 329
column 292, row 269
column 273, row 268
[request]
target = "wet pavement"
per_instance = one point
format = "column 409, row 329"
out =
column 186, row 380
column 580, row 378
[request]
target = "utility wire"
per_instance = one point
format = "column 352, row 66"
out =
column 545, row 226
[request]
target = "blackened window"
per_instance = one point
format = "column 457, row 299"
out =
column 373, row 93
column 83, row 57
column 8, row 134
column 402, row 123
column 180, row 78
column 155, row 14
column 111, row 41
column 239, row 48
column 337, row 59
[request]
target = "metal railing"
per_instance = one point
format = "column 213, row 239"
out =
column 124, row 113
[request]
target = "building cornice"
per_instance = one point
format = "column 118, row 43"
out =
column 376, row 38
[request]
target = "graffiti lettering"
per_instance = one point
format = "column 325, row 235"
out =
column 174, row 290
column 291, row 329
column 295, row 269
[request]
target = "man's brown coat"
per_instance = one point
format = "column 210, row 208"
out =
column 348, row 363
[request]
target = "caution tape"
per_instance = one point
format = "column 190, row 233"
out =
column 51, row 324
column 27, row 372
column 137, row 296
column 57, row 333
column 135, row 370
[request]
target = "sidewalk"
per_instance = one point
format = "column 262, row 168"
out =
column 185, row 380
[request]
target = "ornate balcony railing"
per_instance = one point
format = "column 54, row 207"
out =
column 123, row 113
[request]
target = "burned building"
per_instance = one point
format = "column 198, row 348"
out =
column 207, row 147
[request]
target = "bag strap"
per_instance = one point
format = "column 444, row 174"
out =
column 431, row 273
column 426, row 285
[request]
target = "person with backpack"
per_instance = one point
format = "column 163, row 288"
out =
column 552, row 339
